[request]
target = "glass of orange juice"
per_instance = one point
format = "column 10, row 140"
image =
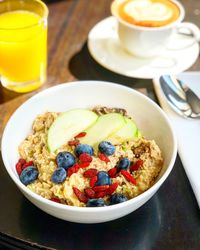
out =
column 23, row 44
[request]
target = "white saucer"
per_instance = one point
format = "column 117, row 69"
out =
column 105, row 48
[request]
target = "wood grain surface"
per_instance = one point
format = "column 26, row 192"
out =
column 68, row 57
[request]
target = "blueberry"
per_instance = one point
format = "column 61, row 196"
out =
column 117, row 198
column 83, row 148
column 103, row 179
column 96, row 203
column 106, row 148
column 65, row 160
column 124, row 163
column 29, row 175
column 59, row 175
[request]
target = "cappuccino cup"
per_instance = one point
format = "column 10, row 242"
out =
column 145, row 26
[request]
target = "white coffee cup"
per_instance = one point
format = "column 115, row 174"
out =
column 146, row 42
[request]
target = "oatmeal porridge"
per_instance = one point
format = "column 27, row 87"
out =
column 87, row 169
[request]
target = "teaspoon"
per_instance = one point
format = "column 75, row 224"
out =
column 180, row 97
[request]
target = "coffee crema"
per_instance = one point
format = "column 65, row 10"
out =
column 147, row 13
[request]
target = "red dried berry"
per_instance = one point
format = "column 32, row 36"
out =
column 22, row 161
column 55, row 200
column 84, row 164
column 18, row 167
column 73, row 142
column 128, row 177
column 27, row 164
column 90, row 173
column 103, row 157
column 84, row 157
column 112, row 188
column 93, row 180
column 112, row 172
column 89, row 192
column 72, row 170
column 82, row 134
column 80, row 195
column 100, row 188
column 136, row 165
column 76, row 166
column 100, row 194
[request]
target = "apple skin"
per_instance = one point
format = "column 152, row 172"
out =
column 104, row 126
column 112, row 127
column 128, row 132
column 67, row 125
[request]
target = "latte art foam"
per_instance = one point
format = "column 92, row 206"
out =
column 149, row 13
column 144, row 10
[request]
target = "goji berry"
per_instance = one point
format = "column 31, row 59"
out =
column 103, row 157
column 100, row 194
column 22, row 161
column 73, row 142
column 128, row 176
column 112, row 172
column 18, row 167
column 70, row 171
column 55, row 200
column 82, row 134
column 93, row 180
column 27, row 164
column 100, row 188
column 73, row 169
column 136, row 165
column 76, row 166
column 112, row 188
column 84, row 164
column 90, row 173
column 89, row 192
column 80, row 195
column 84, row 157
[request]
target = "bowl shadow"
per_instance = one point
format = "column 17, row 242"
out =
column 134, row 231
column 84, row 67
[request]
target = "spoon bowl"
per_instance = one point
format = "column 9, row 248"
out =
column 180, row 97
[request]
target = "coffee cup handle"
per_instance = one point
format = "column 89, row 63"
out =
column 189, row 29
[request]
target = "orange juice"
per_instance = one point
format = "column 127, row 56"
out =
column 23, row 50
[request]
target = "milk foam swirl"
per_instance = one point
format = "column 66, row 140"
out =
column 147, row 13
column 142, row 10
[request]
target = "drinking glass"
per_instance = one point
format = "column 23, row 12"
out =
column 23, row 44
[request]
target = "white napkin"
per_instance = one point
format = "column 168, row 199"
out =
column 187, row 131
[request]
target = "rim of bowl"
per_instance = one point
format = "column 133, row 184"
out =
column 88, row 209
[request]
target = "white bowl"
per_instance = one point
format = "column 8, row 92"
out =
column 85, row 94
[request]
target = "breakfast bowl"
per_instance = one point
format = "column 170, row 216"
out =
column 149, row 117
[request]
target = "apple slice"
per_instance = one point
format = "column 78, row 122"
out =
column 67, row 125
column 105, row 126
column 128, row 132
column 138, row 134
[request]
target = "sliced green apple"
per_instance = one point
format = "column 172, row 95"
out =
column 105, row 126
column 67, row 125
column 127, row 132
column 138, row 134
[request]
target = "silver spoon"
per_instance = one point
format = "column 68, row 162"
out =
column 180, row 97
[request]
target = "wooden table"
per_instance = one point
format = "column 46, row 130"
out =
column 170, row 220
